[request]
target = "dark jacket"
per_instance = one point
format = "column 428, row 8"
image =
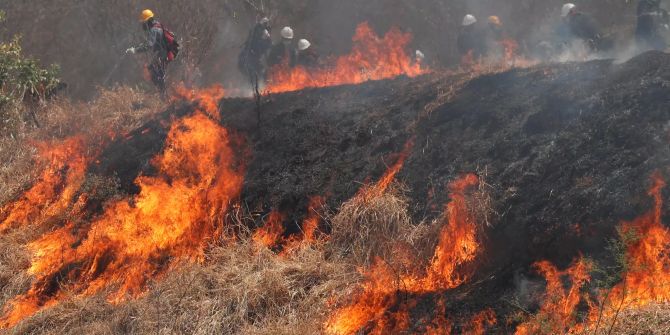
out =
column 471, row 38
column 651, row 20
column 306, row 58
column 255, row 49
column 282, row 52
column 155, row 41
column 583, row 26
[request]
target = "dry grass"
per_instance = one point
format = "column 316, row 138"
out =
column 116, row 111
column 241, row 289
column 366, row 228
column 653, row 319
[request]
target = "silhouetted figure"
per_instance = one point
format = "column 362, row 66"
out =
column 305, row 55
column 255, row 48
column 282, row 52
column 161, row 43
column 652, row 20
column 470, row 41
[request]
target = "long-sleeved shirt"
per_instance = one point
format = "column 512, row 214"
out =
column 155, row 41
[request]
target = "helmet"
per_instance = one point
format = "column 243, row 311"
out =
column 287, row 33
column 303, row 44
column 567, row 8
column 419, row 55
column 494, row 20
column 469, row 20
column 146, row 15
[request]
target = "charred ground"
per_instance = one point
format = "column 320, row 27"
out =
column 565, row 149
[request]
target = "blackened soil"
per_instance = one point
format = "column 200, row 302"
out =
column 567, row 149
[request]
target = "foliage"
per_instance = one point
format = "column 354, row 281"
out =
column 22, row 81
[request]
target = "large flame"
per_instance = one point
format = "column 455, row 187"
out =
column 647, row 256
column 383, row 288
column 557, row 314
column 371, row 58
column 644, row 280
column 56, row 187
column 175, row 216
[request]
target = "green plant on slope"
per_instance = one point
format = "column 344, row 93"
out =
column 22, row 82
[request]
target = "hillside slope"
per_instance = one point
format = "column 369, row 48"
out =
column 564, row 153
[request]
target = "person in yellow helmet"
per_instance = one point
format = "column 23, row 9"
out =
column 494, row 36
column 163, row 45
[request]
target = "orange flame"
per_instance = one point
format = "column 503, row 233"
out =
column 557, row 314
column 310, row 225
column 383, row 287
column 481, row 322
column 55, row 189
column 644, row 281
column 385, row 181
column 174, row 217
column 371, row 58
column 648, row 256
column 270, row 234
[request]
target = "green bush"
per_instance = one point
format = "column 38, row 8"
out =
column 22, row 82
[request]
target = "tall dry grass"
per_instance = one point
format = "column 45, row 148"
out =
column 113, row 111
column 242, row 288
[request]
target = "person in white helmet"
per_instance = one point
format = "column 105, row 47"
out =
column 470, row 40
column 282, row 52
column 653, row 22
column 577, row 25
column 305, row 55
column 254, row 51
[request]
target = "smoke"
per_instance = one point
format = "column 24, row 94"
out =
column 87, row 38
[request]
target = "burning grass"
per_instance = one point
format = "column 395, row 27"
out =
column 239, row 290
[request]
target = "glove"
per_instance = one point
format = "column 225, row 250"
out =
column 131, row 51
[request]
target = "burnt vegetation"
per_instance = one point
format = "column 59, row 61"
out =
column 524, row 197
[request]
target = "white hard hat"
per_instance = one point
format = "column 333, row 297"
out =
column 303, row 44
column 420, row 55
column 469, row 20
column 567, row 8
column 287, row 33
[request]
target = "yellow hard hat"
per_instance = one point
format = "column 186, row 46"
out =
column 146, row 15
column 495, row 20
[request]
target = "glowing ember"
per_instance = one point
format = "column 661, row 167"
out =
column 54, row 190
column 371, row 58
column 383, row 286
column 174, row 217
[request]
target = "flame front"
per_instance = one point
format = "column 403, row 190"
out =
column 458, row 246
column 56, row 187
column 371, row 58
column 644, row 280
column 175, row 216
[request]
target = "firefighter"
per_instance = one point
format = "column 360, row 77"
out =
column 652, row 20
column 305, row 55
column 576, row 25
column 494, row 37
column 282, row 52
column 161, row 43
column 470, row 41
column 255, row 48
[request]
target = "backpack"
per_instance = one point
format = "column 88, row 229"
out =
column 171, row 43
